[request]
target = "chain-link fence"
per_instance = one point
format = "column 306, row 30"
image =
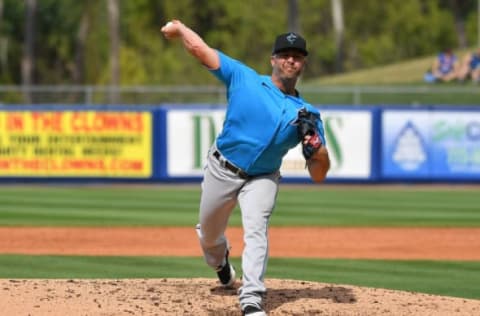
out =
column 318, row 95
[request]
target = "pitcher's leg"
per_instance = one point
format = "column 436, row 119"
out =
column 218, row 199
column 257, row 200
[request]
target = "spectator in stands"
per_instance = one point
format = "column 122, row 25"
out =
column 445, row 67
column 470, row 67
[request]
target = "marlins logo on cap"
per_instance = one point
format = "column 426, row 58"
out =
column 290, row 41
column 291, row 38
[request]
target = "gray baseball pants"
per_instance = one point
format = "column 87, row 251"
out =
column 221, row 190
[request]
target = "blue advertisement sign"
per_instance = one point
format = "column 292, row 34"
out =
column 455, row 143
column 428, row 144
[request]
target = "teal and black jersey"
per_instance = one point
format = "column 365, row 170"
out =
column 258, row 130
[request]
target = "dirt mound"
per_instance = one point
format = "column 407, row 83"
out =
column 204, row 297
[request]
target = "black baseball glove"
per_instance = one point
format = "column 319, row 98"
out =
column 307, row 133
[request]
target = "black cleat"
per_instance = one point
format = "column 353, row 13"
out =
column 252, row 310
column 226, row 274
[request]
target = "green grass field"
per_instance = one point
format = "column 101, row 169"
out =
column 322, row 205
column 297, row 205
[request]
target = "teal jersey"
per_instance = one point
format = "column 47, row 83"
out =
column 258, row 129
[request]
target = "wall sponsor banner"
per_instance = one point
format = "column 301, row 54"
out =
column 349, row 138
column 455, row 144
column 431, row 144
column 190, row 134
column 405, row 138
column 75, row 144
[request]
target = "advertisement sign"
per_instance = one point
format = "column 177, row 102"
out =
column 431, row 144
column 187, row 151
column 455, row 144
column 348, row 133
column 405, row 139
column 75, row 144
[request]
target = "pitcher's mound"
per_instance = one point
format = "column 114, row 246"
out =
column 205, row 297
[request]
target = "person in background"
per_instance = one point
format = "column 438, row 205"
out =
column 445, row 67
column 470, row 67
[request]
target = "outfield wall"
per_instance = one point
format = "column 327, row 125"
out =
column 169, row 143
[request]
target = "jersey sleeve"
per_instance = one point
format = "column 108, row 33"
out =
column 230, row 69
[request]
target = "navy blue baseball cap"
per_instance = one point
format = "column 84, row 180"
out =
column 290, row 41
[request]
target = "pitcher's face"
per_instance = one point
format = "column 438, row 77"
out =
column 288, row 64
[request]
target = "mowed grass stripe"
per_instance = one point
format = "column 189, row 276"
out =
column 94, row 217
column 436, row 277
column 450, row 278
column 69, row 204
column 300, row 206
column 400, row 206
column 359, row 198
column 103, row 196
column 375, row 217
column 95, row 206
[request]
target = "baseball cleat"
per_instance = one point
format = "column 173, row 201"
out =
column 226, row 274
column 251, row 310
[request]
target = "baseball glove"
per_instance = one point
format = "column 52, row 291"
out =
column 307, row 133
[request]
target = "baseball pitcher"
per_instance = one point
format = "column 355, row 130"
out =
column 265, row 117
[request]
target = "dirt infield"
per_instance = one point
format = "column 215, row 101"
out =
column 306, row 242
column 204, row 297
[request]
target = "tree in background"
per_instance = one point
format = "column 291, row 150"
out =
column 114, row 34
column 3, row 41
column 28, row 58
column 461, row 10
column 80, row 44
column 293, row 18
column 339, row 28
column 384, row 32
column 75, row 40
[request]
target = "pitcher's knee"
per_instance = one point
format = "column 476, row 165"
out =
column 210, row 244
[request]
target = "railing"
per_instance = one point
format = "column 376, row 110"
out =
column 442, row 94
column 100, row 95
